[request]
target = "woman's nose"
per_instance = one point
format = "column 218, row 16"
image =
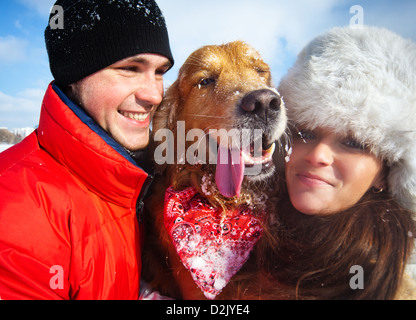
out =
column 320, row 154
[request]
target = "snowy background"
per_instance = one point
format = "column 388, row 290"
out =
column 4, row 146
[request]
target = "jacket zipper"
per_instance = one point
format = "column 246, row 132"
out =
column 140, row 200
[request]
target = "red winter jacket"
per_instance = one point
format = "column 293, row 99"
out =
column 68, row 224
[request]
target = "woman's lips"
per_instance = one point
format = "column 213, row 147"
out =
column 313, row 180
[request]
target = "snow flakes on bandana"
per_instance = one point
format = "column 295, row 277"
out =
column 213, row 245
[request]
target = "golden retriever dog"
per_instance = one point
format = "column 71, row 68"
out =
column 214, row 136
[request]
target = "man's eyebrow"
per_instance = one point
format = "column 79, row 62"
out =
column 137, row 60
column 143, row 60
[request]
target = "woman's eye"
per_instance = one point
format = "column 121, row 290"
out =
column 305, row 135
column 353, row 144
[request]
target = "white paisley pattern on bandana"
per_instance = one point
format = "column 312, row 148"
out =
column 212, row 244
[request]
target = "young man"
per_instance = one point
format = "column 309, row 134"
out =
column 72, row 192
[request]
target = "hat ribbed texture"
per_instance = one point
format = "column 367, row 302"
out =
column 99, row 33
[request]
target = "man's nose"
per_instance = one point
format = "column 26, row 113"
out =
column 150, row 92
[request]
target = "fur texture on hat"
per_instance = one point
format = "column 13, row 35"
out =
column 361, row 81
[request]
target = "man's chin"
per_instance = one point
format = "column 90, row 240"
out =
column 134, row 142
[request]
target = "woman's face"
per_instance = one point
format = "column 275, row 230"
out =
column 328, row 173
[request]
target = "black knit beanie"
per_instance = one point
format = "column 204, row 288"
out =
column 94, row 34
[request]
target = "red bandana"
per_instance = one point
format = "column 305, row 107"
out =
column 212, row 245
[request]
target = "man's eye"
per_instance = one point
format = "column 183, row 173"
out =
column 130, row 69
column 160, row 72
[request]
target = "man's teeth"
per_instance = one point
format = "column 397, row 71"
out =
column 135, row 116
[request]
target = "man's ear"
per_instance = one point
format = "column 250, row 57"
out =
column 72, row 92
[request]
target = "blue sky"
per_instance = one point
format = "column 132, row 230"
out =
column 277, row 28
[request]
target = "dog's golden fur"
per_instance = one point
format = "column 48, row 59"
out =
column 314, row 254
column 207, row 95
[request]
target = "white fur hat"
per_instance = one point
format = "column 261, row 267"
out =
column 361, row 81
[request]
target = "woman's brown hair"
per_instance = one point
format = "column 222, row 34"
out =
column 314, row 254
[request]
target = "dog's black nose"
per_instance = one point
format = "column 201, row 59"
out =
column 261, row 102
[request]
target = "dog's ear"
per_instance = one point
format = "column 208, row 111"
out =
column 165, row 118
column 166, row 113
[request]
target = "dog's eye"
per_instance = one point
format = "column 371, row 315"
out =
column 206, row 82
column 261, row 71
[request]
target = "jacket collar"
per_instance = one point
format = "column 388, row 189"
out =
column 86, row 119
column 74, row 139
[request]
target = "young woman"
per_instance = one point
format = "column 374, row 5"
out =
column 345, row 227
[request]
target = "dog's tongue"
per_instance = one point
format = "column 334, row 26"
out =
column 230, row 171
